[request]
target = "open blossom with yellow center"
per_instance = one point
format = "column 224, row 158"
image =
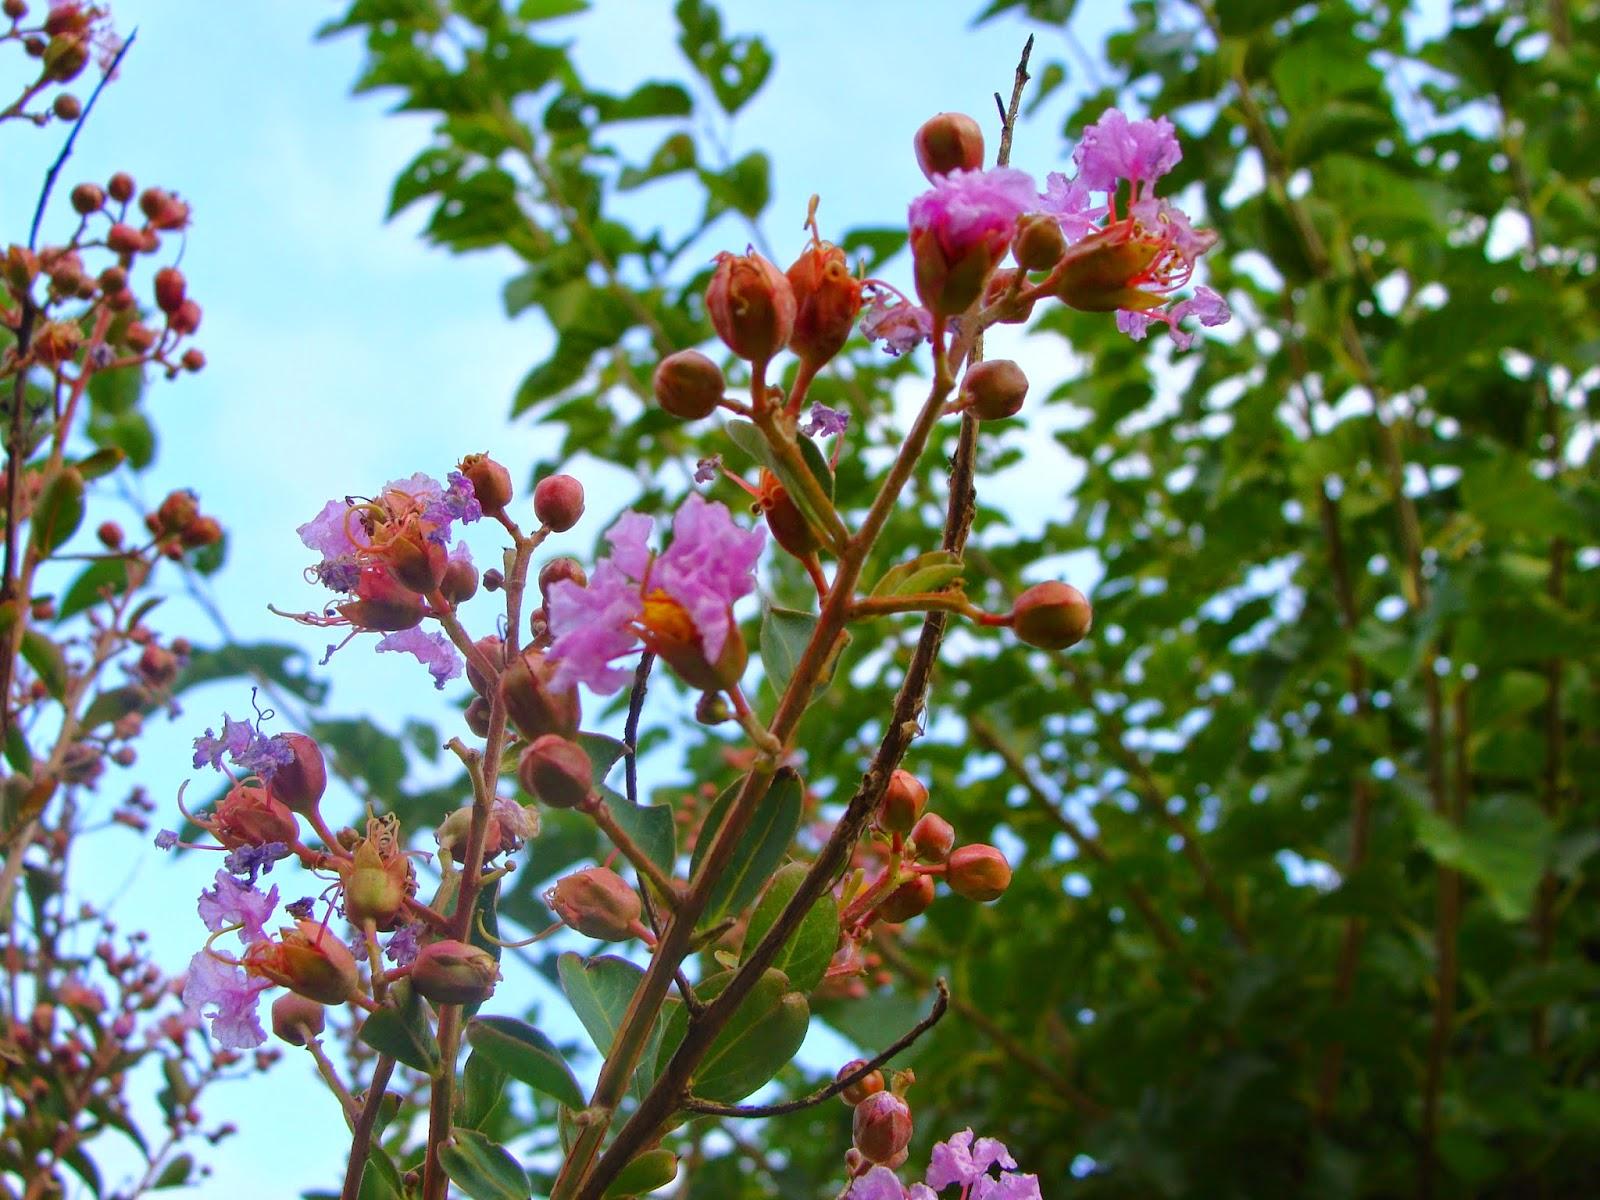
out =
column 678, row 604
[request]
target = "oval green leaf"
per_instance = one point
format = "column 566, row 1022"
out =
column 805, row 956
column 651, row 1170
column 525, row 1054
column 482, row 1168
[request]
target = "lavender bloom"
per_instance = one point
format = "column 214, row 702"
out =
column 251, row 861
column 900, row 327
column 227, row 996
column 705, row 471
column 403, row 946
column 709, row 565
column 1207, row 305
column 300, row 909
column 431, row 649
column 825, row 422
column 1115, row 148
column 877, row 1184
column 245, row 746
column 967, row 208
column 334, row 533
column 1067, row 200
column 229, row 902
column 961, row 1160
column 166, row 839
column 458, row 502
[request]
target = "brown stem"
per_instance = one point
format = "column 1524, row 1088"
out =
column 941, row 1002
column 361, row 1139
column 666, row 887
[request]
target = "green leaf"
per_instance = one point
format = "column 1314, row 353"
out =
column 1503, row 844
column 176, row 1173
column 129, row 432
column 401, row 1029
column 651, row 1170
column 58, row 512
column 930, row 572
column 675, row 154
column 107, row 575
column 380, row 1178
column 650, row 825
column 760, row 1039
column 785, row 633
column 283, row 664
column 748, row 438
column 761, row 847
column 604, row 753
column 805, row 957
column 482, row 1083
column 599, row 990
column 111, row 706
column 47, row 661
column 548, row 10
column 83, row 1166
column 734, row 67
column 526, row 1055
column 115, row 392
column 101, row 462
column 482, row 1168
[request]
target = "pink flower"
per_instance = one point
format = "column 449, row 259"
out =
column 1007, row 1187
column 961, row 1160
column 678, row 601
column 1067, row 200
column 877, row 1184
column 1207, row 305
column 223, row 993
column 431, row 649
column 1115, row 148
column 230, row 902
column 900, row 327
column 961, row 228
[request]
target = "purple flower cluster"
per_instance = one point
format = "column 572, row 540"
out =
column 962, row 1162
column 823, row 421
column 340, row 533
column 431, row 649
column 246, row 747
column 900, row 327
column 221, row 992
column 709, row 565
column 231, row 903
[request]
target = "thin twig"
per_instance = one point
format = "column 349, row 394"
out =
column 361, row 1139
column 941, row 1003
column 72, row 137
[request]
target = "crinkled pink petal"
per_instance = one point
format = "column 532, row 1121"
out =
column 229, row 902
column 1007, row 1187
column 921, row 1191
column 461, row 554
column 710, row 564
column 900, row 327
column 590, row 627
column 629, row 539
column 418, row 486
column 430, row 648
column 951, row 1162
column 965, row 208
column 1115, row 148
column 227, row 996
column 1067, row 201
column 877, row 1184
column 330, row 533
column 1136, row 324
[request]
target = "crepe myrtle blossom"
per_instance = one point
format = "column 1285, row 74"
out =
column 677, row 603
column 900, row 326
column 245, row 746
column 230, row 904
column 431, row 649
column 220, row 991
column 823, row 421
column 960, row 230
column 963, row 1161
column 1207, row 305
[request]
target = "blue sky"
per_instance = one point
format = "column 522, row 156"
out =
column 344, row 352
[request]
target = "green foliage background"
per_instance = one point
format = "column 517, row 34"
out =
column 1305, row 832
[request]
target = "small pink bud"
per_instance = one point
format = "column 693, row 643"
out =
column 882, row 1127
column 557, row 771
column 1051, row 616
column 124, row 239
column 949, row 142
column 751, row 306
column 557, row 569
column 459, row 582
column 299, row 783
column 910, row 899
column 558, row 502
column 533, row 708
column 186, row 318
column 170, row 289
column 598, row 903
column 903, row 802
column 994, row 390
column 688, row 385
column 121, row 187
column 932, row 838
column 88, row 198
column 297, row 1020
column 67, row 107
column 491, row 482
column 451, row 972
column 978, row 872
column 868, row 1085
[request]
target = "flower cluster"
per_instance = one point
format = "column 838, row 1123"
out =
column 962, row 1162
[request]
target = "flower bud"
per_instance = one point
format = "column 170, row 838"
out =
column 751, row 305
column 121, row 187
column 903, row 802
column 139, row 337
column 910, row 899
column 186, row 318
column 688, row 385
column 88, row 198
column 21, row 266
column 452, row 972
column 558, row 502
column 177, row 510
column 477, row 716
column 170, row 289
column 308, row 960
column 65, row 58
column 882, row 1127
column 67, row 107
column 459, row 582
column 557, row 771
column 788, row 524
column 110, row 535
column 978, row 872
column 299, row 783
column 994, row 389
column 1051, row 616
column 948, row 142
column 202, row 531
column 827, row 300
column 297, row 1020
column 557, row 569
column 163, row 209
column 56, row 342
column 932, row 838
column 15, row 9
column 249, row 816
column 382, row 604
column 193, row 360
column 493, row 648
column 1039, row 243
column 491, row 482
column 124, row 239
column 868, row 1085
column 598, row 903
column 530, row 704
